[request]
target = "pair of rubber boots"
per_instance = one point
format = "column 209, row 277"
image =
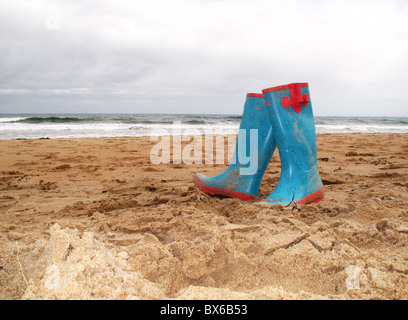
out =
column 280, row 117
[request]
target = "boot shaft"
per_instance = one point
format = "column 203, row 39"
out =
column 291, row 114
column 255, row 136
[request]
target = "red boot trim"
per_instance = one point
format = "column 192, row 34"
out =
column 222, row 192
column 285, row 87
column 255, row 95
column 314, row 197
column 296, row 98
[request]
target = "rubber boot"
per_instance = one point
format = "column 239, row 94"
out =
column 253, row 151
column 291, row 115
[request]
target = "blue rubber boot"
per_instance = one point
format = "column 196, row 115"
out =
column 291, row 115
column 253, row 151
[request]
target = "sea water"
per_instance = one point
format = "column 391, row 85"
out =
column 35, row 126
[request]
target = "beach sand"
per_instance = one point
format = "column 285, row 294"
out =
column 95, row 219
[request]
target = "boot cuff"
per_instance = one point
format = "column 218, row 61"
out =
column 284, row 87
column 255, row 95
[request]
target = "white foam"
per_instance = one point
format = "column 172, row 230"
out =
column 12, row 119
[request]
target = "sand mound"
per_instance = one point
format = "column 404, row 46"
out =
column 82, row 267
column 74, row 267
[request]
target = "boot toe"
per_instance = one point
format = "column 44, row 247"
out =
column 200, row 177
column 201, row 181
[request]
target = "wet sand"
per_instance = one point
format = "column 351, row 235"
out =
column 95, row 219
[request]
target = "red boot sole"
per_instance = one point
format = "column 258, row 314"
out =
column 222, row 192
column 314, row 197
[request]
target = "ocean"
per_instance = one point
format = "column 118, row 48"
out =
column 36, row 126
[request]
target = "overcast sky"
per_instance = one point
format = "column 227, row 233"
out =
column 191, row 56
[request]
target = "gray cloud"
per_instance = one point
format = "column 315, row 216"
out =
column 201, row 56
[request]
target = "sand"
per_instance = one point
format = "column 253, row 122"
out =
column 95, row 219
